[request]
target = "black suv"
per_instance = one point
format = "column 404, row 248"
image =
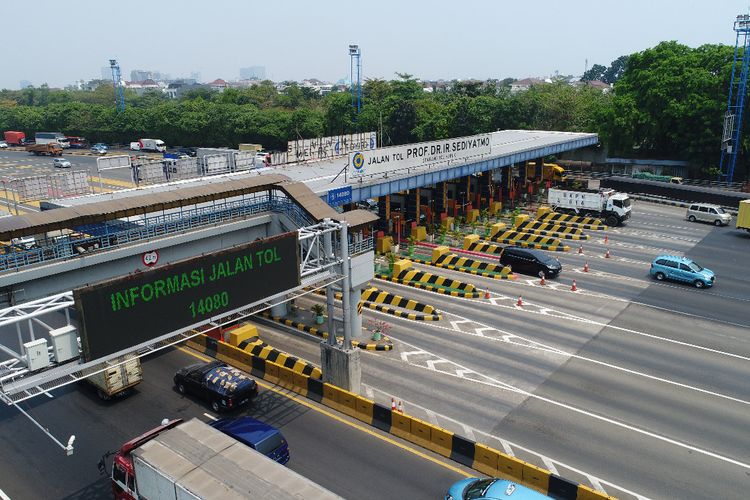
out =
column 223, row 386
column 529, row 261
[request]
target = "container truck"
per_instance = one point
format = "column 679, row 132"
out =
column 120, row 376
column 192, row 460
column 14, row 138
column 51, row 137
column 550, row 172
column 743, row 216
column 155, row 145
column 51, row 148
column 607, row 204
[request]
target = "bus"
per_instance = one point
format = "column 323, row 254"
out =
column 47, row 137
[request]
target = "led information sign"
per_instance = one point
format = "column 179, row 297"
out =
column 124, row 312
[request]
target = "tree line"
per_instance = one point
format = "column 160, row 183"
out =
column 667, row 102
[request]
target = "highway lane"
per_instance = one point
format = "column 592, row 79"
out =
column 351, row 459
column 684, row 414
column 23, row 164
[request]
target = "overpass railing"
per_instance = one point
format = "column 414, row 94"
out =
column 97, row 237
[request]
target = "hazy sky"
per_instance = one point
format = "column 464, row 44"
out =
column 302, row 39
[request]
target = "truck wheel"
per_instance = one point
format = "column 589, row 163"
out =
column 103, row 395
column 612, row 221
column 659, row 276
column 215, row 406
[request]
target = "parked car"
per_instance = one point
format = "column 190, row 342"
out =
column 60, row 163
column 3, row 144
column 191, row 152
column 222, row 386
column 99, row 148
column 257, row 435
column 677, row 268
column 705, row 212
column 530, row 261
column 474, row 488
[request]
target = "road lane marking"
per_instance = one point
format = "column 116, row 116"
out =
column 366, row 430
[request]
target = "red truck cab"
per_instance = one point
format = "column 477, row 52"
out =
column 14, row 138
column 123, row 473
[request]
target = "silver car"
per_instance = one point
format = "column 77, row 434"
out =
column 61, row 163
column 705, row 212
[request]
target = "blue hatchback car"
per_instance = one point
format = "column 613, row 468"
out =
column 676, row 268
column 257, row 435
column 474, row 488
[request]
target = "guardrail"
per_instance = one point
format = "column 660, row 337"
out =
column 117, row 233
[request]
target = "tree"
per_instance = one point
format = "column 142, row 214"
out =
column 615, row 70
column 595, row 72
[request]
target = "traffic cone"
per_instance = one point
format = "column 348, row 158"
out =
column 541, row 281
column 400, row 407
column 586, row 267
column 486, row 294
column 520, row 302
column 574, row 288
column 393, row 405
column 580, row 249
column 606, row 255
column 606, row 239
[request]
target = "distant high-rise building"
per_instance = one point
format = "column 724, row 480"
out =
column 253, row 73
column 25, row 83
column 139, row 75
column 195, row 75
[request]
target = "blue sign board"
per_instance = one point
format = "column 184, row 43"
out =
column 340, row 196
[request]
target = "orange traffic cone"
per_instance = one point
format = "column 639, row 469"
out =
column 606, row 255
column 606, row 239
column 520, row 302
column 580, row 249
column 400, row 407
column 541, row 281
column 574, row 288
column 586, row 267
column 393, row 405
column 486, row 294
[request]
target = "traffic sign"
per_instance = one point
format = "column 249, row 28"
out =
column 340, row 196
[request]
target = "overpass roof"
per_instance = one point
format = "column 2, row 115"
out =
column 141, row 202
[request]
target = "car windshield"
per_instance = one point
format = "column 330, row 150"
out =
column 720, row 210
column 477, row 489
column 270, row 443
column 695, row 267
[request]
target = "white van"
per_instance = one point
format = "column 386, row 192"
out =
column 705, row 212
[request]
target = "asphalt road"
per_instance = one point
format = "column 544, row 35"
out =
column 351, row 459
column 632, row 386
column 22, row 164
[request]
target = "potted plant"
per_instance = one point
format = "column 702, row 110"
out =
column 412, row 241
column 379, row 329
column 319, row 312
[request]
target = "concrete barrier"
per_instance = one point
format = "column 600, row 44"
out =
column 535, row 476
column 364, row 410
column 508, row 466
column 401, row 425
column 485, row 460
column 421, row 433
column 441, row 441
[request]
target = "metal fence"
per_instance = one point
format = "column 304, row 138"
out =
column 95, row 237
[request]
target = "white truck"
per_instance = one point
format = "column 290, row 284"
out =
column 155, row 145
column 120, row 376
column 607, row 204
column 192, row 460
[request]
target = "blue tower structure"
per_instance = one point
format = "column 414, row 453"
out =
column 730, row 139
column 117, row 81
column 356, row 67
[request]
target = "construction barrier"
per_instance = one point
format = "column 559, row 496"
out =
column 581, row 222
column 372, row 298
column 555, row 230
column 459, row 449
column 384, row 345
column 432, row 283
column 530, row 240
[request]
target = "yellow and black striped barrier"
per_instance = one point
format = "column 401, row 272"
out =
column 591, row 223
column 373, row 298
column 470, row 266
column 383, row 345
column 529, row 240
column 475, row 455
column 433, row 283
column 555, row 230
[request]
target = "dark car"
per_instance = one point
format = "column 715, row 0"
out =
column 192, row 152
column 530, row 261
column 257, row 435
column 223, row 387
